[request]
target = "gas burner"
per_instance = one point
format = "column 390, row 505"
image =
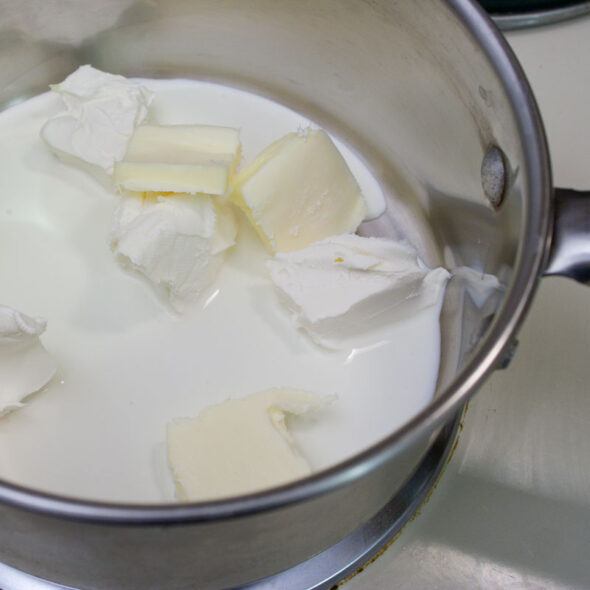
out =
column 518, row 14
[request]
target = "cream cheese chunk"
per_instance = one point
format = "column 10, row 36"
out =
column 239, row 446
column 345, row 289
column 176, row 241
column 25, row 365
column 179, row 158
column 299, row 190
column 102, row 111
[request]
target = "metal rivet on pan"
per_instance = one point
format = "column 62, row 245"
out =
column 493, row 175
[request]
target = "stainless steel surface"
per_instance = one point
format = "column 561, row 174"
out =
column 220, row 549
column 421, row 92
column 521, row 20
column 494, row 175
column 570, row 249
column 332, row 566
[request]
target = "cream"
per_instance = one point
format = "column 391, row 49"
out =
column 345, row 290
column 176, row 241
column 101, row 112
column 25, row 365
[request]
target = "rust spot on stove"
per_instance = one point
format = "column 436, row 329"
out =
column 366, row 565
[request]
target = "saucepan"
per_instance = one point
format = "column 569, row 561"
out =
column 432, row 97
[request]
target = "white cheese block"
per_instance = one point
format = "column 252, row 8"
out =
column 179, row 158
column 344, row 290
column 299, row 190
column 25, row 365
column 102, row 111
column 177, row 241
column 239, row 446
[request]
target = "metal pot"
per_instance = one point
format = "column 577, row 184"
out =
column 431, row 95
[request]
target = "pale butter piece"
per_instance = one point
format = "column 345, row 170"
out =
column 239, row 446
column 345, row 290
column 299, row 190
column 179, row 158
column 176, row 241
column 25, row 365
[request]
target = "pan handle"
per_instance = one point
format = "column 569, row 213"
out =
column 570, row 249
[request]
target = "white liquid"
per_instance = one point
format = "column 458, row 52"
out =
column 128, row 365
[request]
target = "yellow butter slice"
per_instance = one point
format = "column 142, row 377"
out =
column 239, row 446
column 299, row 190
column 179, row 158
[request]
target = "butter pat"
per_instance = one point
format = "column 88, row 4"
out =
column 25, row 365
column 177, row 241
column 345, row 290
column 102, row 111
column 239, row 446
column 299, row 190
column 179, row 158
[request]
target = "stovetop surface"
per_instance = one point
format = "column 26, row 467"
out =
column 512, row 509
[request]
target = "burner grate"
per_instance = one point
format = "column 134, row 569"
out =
column 518, row 14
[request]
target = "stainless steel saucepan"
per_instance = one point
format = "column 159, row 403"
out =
column 432, row 97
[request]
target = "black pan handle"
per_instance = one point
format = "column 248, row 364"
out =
column 570, row 249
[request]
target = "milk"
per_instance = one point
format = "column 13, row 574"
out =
column 128, row 364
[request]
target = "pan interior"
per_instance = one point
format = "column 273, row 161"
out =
column 130, row 364
column 393, row 89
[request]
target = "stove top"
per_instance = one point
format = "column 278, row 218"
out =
column 512, row 507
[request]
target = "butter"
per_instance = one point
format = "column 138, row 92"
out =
column 239, row 446
column 179, row 158
column 299, row 190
